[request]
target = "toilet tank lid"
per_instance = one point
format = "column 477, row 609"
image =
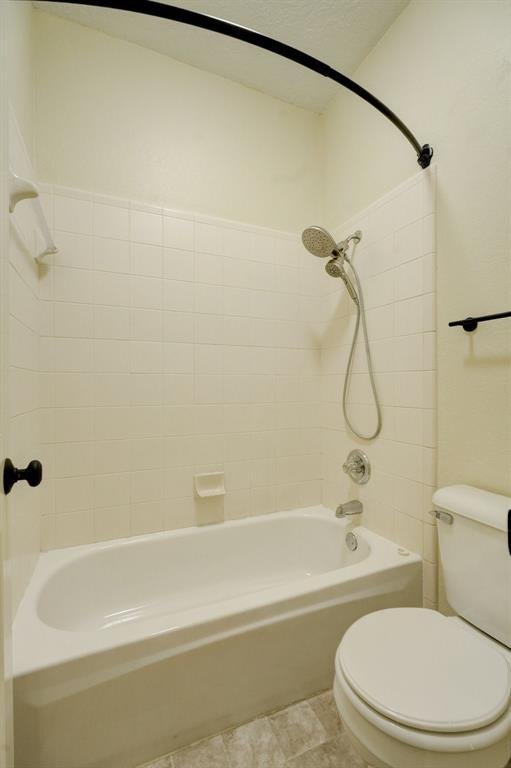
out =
column 485, row 507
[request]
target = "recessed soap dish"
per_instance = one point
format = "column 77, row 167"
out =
column 209, row 484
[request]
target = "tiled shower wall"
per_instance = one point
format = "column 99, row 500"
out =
column 175, row 344
column 396, row 263
column 172, row 345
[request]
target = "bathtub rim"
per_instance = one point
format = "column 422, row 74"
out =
column 38, row 646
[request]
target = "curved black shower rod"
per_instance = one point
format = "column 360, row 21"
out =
column 202, row 20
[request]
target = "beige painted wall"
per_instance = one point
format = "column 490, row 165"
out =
column 6, row 733
column 445, row 68
column 20, row 51
column 123, row 120
column 22, row 309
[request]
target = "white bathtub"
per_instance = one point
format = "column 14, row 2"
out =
column 127, row 650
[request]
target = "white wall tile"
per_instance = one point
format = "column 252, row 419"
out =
column 146, row 260
column 146, row 325
column 111, row 221
column 398, row 273
column 178, row 326
column 409, row 352
column 146, row 293
column 145, row 388
column 178, row 233
column 111, row 389
column 73, row 355
column 409, row 280
column 111, row 289
column 236, row 243
column 72, row 285
column 73, row 528
column 74, row 250
column 178, row 264
column 72, row 215
column 178, row 296
column 111, row 356
column 146, row 227
column 408, row 243
column 208, row 268
column 203, row 345
column 111, row 456
column 73, row 390
column 73, row 320
column 146, row 357
column 111, row 323
column 110, row 490
column 208, row 238
column 111, row 255
column 209, row 329
column 209, row 299
column 178, row 358
column 410, row 316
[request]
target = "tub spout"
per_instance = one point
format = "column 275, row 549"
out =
column 350, row 508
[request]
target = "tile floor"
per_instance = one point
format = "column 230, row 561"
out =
column 305, row 735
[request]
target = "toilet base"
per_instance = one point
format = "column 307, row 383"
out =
column 379, row 750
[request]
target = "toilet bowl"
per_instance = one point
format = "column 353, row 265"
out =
column 418, row 690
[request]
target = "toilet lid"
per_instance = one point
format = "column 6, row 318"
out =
column 417, row 668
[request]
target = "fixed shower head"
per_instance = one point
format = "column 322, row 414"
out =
column 319, row 242
column 335, row 268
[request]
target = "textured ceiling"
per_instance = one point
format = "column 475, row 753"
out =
column 339, row 32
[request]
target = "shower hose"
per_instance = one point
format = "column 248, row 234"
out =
column 361, row 319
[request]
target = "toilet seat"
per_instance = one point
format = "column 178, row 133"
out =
column 397, row 661
column 385, row 708
column 467, row 741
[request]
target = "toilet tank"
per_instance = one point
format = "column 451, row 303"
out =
column 475, row 555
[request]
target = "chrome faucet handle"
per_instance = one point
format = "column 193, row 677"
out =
column 357, row 467
column 350, row 508
column 353, row 465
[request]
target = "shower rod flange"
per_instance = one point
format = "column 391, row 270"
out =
column 213, row 24
column 425, row 156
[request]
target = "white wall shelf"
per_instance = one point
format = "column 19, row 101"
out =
column 24, row 189
column 209, row 484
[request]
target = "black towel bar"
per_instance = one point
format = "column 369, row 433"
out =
column 471, row 323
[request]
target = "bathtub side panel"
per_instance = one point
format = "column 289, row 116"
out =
column 137, row 716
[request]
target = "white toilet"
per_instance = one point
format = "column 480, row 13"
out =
column 416, row 689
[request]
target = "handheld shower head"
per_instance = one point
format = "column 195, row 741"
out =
column 335, row 269
column 319, row 242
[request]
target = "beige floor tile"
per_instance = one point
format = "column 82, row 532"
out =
column 209, row 753
column 253, row 745
column 336, row 753
column 306, row 735
column 326, row 711
column 297, row 729
column 162, row 762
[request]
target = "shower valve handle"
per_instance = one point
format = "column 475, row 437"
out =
column 357, row 467
column 354, row 465
column 33, row 474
